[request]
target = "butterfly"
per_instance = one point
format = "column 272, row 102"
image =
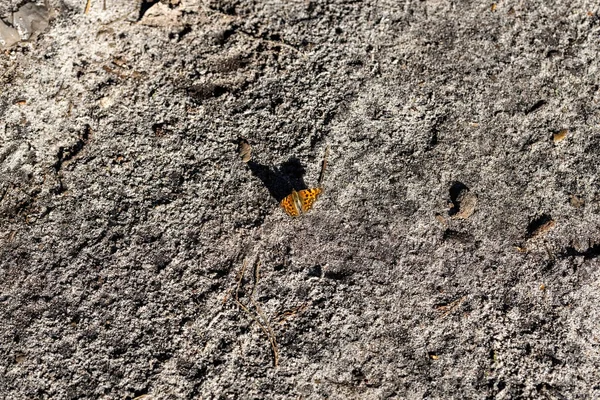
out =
column 300, row 202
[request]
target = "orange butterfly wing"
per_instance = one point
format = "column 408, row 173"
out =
column 289, row 205
column 308, row 198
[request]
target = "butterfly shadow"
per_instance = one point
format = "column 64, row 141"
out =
column 280, row 180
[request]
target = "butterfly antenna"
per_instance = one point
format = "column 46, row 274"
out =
column 323, row 166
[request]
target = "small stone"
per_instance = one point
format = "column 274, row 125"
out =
column 441, row 220
column 576, row 201
column 20, row 358
column 540, row 227
column 106, row 102
column 161, row 15
column 8, row 35
column 560, row 135
column 467, row 202
column 245, row 150
column 30, row 20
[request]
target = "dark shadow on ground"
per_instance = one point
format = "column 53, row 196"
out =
column 280, row 180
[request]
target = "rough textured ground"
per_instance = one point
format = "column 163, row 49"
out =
column 453, row 254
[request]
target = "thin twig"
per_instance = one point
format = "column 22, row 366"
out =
column 8, row 70
column 448, row 308
column 323, row 166
column 239, row 281
column 270, row 334
column 226, row 297
column 274, row 42
column 283, row 317
column 88, row 4
column 264, row 325
column 256, row 278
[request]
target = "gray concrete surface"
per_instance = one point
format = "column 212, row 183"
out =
column 452, row 255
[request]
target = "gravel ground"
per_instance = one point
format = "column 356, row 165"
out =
column 453, row 253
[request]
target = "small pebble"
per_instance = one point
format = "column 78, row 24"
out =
column 560, row 135
column 467, row 202
column 576, row 201
column 245, row 150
